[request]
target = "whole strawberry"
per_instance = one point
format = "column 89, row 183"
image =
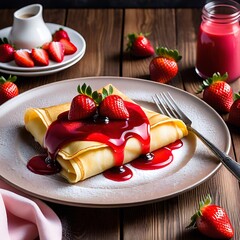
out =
column 139, row 45
column 113, row 107
column 217, row 93
column 234, row 114
column 212, row 220
column 60, row 34
column 8, row 89
column 164, row 67
column 6, row 51
column 83, row 105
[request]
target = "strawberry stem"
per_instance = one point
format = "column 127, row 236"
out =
column 10, row 79
column 168, row 53
column 95, row 95
column 237, row 96
column 203, row 203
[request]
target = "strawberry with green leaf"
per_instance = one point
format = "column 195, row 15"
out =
column 234, row 114
column 8, row 89
column 212, row 220
column 6, row 51
column 139, row 45
column 113, row 107
column 164, row 67
column 83, row 105
column 217, row 92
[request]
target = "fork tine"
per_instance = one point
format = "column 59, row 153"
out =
column 169, row 105
column 159, row 105
column 163, row 106
column 173, row 103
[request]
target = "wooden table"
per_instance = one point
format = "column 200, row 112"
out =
column 105, row 32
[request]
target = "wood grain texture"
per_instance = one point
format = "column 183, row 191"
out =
column 103, row 41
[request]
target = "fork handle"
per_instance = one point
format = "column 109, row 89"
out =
column 229, row 163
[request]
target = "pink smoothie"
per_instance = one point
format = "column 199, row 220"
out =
column 218, row 50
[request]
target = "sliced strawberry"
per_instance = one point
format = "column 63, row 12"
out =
column 82, row 106
column 45, row 46
column 60, row 34
column 56, row 51
column 23, row 58
column 113, row 107
column 69, row 47
column 40, row 57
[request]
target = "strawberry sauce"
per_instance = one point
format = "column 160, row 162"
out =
column 114, row 133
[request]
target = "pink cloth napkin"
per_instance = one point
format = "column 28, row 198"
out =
column 26, row 218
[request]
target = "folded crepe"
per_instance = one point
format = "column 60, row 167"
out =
column 83, row 159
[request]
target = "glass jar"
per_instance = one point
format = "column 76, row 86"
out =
column 218, row 46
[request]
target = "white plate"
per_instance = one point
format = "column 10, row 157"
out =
column 42, row 73
column 75, row 37
column 192, row 164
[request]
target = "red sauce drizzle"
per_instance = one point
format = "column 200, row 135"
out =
column 118, row 174
column 157, row 159
column 39, row 164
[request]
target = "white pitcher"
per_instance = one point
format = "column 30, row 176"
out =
column 29, row 30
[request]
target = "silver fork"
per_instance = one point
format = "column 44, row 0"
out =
column 167, row 105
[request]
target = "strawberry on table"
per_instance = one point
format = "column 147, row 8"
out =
column 69, row 47
column 23, row 58
column 6, row 51
column 234, row 114
column 217, row 93
column 212, row 220
column 40, row 57
column 164, row 67
column 8, row 89
column 60, row 34
column 139, row 45
column 56, row 51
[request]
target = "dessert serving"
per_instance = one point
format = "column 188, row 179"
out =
column 100, row 132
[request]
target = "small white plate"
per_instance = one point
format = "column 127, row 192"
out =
column 75, row 38
column 192, row 165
